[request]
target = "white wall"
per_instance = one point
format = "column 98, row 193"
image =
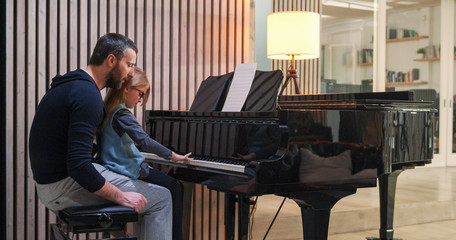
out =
column 356, row 33
column 262, row 9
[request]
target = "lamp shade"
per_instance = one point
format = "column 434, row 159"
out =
column 293, row 33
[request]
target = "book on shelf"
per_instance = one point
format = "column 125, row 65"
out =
column 431, row 51
column 415, row 74
column 401, row 77
column 410, row 76
column 365, row 55
column 391, row 76
column 394, row 33
column 406, row 33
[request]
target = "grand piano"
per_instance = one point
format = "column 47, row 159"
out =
column 313, row 149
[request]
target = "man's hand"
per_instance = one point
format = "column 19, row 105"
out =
column 181, row 158
column 248, row 157
column 134, row 200
column 128, row 199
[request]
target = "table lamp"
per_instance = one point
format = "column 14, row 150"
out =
column 293, row 35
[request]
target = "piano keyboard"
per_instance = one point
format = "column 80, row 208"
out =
column 204, row 162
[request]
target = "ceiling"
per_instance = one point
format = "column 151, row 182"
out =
column 358, row 9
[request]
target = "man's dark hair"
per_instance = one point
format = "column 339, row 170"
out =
column 111, row 43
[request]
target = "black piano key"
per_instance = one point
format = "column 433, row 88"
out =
column 220, row 160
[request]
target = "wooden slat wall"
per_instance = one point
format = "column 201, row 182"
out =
column 308, row 70
column 3, row 171
column 181, row 42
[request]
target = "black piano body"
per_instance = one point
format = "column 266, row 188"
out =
column 314, row 149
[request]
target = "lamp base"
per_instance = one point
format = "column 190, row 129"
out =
column 291, row 75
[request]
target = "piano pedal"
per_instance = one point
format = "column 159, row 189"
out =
column 252, row 201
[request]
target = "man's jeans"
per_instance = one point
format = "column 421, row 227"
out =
column 155, row 220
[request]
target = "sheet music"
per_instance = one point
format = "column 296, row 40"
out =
column 240, row 87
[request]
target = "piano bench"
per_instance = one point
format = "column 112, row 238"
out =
column 105, row 219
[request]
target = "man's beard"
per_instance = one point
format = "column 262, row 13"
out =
column 114, row 78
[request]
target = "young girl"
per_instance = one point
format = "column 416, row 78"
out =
column 119, row 134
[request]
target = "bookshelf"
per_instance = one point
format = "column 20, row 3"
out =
column 405, row 83
column 404, row 39
column 429, row 59
column 405, row 63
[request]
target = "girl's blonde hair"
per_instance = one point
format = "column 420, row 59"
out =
column 115, row 97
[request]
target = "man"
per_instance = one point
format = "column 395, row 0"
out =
column 62, row 134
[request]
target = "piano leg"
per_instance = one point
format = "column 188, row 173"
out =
column 243, row 216
column 230, row 212
column 387, row 189
column 186, row 213
column 316, row 209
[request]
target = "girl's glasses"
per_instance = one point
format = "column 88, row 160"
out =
column 140, row 93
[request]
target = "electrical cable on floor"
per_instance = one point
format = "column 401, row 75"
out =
column 273, row 220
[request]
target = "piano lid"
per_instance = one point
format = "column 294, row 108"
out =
column 353, row 100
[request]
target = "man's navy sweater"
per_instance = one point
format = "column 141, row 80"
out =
column 63, row 130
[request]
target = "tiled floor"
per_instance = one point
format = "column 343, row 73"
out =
column 441, row 230
column 425, row 209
